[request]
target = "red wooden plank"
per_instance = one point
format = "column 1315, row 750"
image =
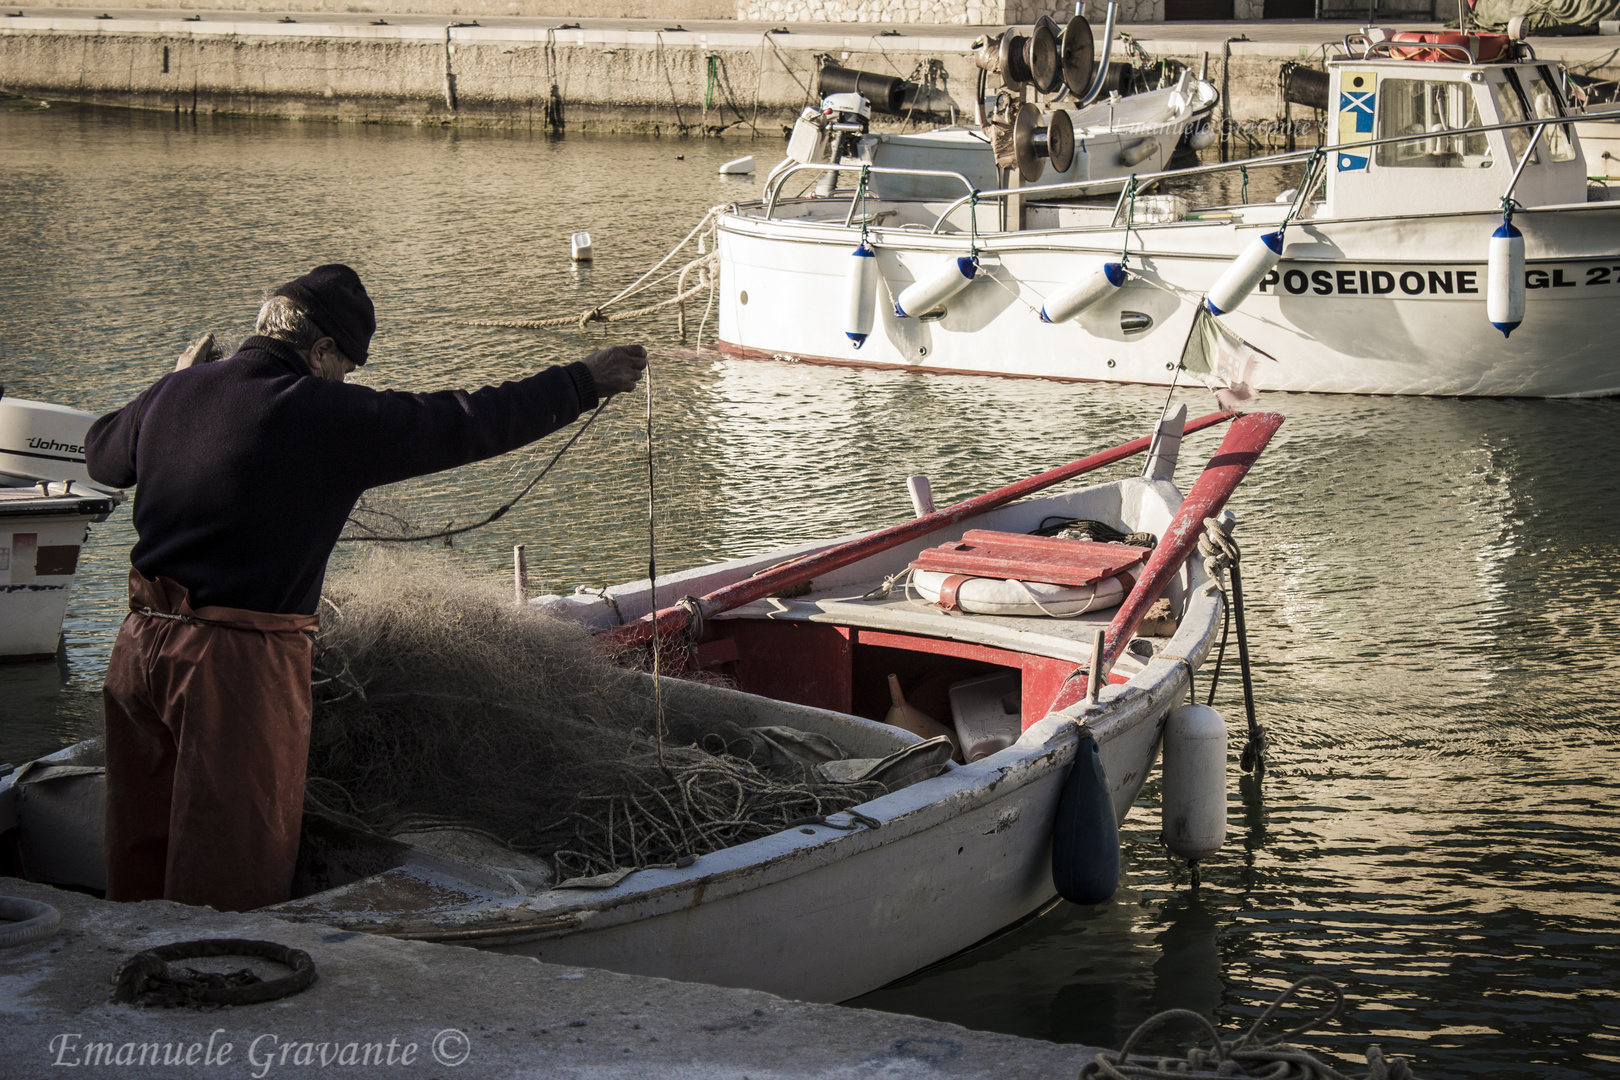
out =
column 1050, row 559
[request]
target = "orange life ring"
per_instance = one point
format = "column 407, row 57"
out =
column 1485, row 48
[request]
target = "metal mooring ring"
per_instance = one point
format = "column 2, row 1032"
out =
column 145, row 978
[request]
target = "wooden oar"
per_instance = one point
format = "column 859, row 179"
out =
column 1238, row 450
column 777, row 578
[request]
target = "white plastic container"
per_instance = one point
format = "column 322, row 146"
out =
column 579, row 247
column 738, row 166
column 987, row 713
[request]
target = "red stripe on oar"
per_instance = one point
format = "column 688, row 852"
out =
column 777, row 578
column 1237, row 453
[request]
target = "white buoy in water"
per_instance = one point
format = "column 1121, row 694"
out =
column 1239, row 279
column 1193, row 792
column 1102, row 282
column 928, row 293
column 861, row 302
column 579, row 247
column 1504, row 292
column 738, row 166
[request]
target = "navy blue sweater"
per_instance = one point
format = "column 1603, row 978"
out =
column 248, row 467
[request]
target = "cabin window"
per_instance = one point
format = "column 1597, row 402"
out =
column 1418, row 106
column 1542, row 96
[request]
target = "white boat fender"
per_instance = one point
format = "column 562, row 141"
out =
column 928, row 293
column 1201, row 137
column 1193, row 794
column 1138, row 151
column 861, row 302
column 1504, row 294
column 1085, row 836
column 1103, row 281
column 1240, row 278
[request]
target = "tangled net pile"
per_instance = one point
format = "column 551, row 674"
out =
column 440, row 704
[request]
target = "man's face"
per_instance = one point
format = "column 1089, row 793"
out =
column 326, row 361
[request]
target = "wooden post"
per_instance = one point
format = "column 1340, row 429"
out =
column 520, row 575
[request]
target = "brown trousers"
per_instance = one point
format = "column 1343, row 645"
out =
column 208, row 715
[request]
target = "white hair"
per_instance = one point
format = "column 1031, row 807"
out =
column 284, row 320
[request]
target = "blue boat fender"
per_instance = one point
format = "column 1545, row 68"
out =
column 923, row 296
column 1241, row 276
column 1085, row 837
column 1097, row 285
column 860, row 302
column 1504, row 292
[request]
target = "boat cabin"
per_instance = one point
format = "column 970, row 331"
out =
column 1411, row 83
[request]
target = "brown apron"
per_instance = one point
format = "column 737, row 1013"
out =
column 208, row 715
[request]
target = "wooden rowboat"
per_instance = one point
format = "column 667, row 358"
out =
column 817, row 912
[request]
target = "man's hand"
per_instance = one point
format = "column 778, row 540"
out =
column 205, row 351
column 616, row 369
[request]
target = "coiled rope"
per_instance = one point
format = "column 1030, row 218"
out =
column 1249, row 1055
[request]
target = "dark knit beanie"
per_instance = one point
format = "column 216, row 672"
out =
column 335, row 299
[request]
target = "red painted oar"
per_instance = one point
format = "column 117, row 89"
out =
column 1238, row 450
column 777, row 578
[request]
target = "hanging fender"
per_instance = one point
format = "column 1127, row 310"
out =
column 1504, row 292
column 1192, row 804
column 1085, row 835
column 1103, row 281
column 1239, row 279
column 860, row 305
column 928, row 293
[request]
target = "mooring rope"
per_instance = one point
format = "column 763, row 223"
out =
column 1220, row 553
column 597, row 314
column 1248, row 1055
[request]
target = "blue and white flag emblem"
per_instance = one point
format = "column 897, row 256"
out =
column 1352, row 162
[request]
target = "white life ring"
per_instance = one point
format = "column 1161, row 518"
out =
column 1009, row 596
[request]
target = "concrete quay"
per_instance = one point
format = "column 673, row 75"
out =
column 711, row 77
column 443, row 1011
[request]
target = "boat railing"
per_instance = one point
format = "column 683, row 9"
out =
column 773, row 187
column 1082, row 187
column 1384, row 50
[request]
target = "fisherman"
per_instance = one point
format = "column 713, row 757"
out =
column 247, row 471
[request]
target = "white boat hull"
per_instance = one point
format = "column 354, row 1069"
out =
column 1372, row 306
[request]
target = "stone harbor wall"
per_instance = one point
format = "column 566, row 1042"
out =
column 945, row 12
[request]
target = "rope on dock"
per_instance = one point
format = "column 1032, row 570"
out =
column 1248, row 1055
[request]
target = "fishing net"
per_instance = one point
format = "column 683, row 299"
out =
column 441, row 704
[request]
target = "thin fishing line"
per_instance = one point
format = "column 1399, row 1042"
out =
column 652, row 583
column 499, row 511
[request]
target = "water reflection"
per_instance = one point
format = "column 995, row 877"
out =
column 1432, row 585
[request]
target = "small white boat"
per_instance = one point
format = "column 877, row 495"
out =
column 824, row 911
column 1113, row 138
column 47, row 505
column 1081, row 134
column 1377, row 280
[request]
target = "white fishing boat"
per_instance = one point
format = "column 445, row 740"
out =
column 1374, row 274
column 830, row 909
column 47, row 505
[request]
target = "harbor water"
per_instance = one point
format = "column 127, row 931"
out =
column 1433, row 586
